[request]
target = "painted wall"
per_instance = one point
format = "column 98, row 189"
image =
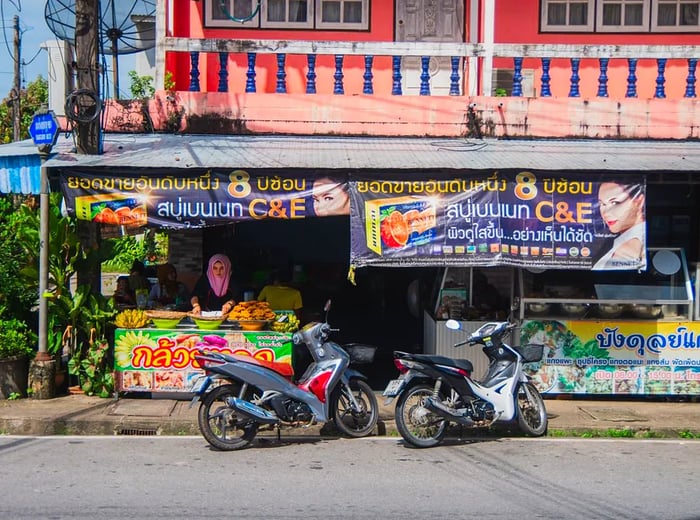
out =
column 517, row 21
column 189, row 22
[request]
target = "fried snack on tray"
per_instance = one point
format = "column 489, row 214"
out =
column 252, row 310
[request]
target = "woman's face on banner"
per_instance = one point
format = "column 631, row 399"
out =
column 330, row 198
column 619, row 209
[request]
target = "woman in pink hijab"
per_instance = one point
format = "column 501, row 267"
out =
column 213, row 292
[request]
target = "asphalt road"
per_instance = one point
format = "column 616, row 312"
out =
column 181, row 477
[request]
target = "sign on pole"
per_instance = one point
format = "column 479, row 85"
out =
column 44, row 129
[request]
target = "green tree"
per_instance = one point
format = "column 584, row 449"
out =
column 17, row 298
column 32, row 98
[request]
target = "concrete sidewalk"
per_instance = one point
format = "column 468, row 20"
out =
column 84, row 415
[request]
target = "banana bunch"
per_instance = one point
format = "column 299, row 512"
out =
column 131, row 319
column 285, row 323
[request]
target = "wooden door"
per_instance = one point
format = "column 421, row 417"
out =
column 428, row 21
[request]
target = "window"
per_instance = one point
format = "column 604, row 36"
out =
column 567, row 15
column 352, row 15
column 675, row 16
column 620, row 16
column 342, row 14
column 283, row 14
column 219, row 13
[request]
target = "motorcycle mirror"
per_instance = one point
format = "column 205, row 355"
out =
column 453, row 324
column 327, row 306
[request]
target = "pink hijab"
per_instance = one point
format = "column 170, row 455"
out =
column 219, row 284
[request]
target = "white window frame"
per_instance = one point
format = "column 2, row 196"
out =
column 545, row 27
column 313, row 18
column 656, row 28
column 308, row 24
column 363, row 25
column 643, row 27
column 210, row 21
column 650, row 15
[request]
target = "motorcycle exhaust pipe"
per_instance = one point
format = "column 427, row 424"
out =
column 448, row 413
column 251, row 411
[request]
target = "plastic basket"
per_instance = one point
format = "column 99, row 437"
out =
column 360, row 353
column 531, row 352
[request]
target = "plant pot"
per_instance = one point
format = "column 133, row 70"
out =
column 14, row 376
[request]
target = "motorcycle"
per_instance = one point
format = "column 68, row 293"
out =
column 241, row 395
column 434, row 391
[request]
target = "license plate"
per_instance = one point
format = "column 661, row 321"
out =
column 393, row 388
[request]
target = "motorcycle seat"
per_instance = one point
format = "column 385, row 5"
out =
column 463, row 364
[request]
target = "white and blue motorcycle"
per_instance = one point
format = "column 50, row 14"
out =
column 434, row 391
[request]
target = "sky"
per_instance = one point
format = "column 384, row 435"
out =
column 34, row 31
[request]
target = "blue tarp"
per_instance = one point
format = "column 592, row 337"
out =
column 20, row 174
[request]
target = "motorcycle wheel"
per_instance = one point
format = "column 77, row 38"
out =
column 220, row 425
column 355, row 423
column 532, row 415
column 417, row 425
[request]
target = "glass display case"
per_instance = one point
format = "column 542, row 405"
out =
column 474, row 293
column 663, row 292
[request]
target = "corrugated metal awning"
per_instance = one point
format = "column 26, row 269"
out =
column 374, row 153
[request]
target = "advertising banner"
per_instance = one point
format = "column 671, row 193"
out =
column 162, row 360
column 621, row 357
column 199, row 198
column 517, row 218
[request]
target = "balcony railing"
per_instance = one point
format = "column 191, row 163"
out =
column 629, row 71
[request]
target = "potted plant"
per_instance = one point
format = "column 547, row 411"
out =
column 16, row 350
column 90, row 360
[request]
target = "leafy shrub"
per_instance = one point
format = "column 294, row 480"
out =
column 16, row 339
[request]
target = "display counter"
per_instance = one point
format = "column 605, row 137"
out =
column 661, row 293
column 605, row 333
column 162, row 360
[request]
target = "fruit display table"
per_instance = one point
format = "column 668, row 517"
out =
column 162, row 360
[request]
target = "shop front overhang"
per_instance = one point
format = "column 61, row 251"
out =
column 278, row 152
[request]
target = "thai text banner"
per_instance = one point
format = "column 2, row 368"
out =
column 515, row 218
column 163, row 360
column 199, row 198
column 624, row 357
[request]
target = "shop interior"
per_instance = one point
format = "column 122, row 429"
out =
column 386, row 306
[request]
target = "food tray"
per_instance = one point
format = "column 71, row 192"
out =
column 207, row 317
column 251, row 324
column 165, row 315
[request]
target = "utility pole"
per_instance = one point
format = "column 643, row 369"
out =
column 16, row 116
column 86, row 100
column 87, row 111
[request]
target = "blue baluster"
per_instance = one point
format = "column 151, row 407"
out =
column 517, row 77
column 396, row 76
column 311, row 74
column 250, row 73
column 367, row 85
column 573, row 90
column 194, row 72
column 690, row 80
column 281, row 87
column 223, row 72
column 603, row 78
column 545, row 90
column 338, row 76
column 424, row 76
column 660, row 91
column 631, row 78
column 454, row 77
